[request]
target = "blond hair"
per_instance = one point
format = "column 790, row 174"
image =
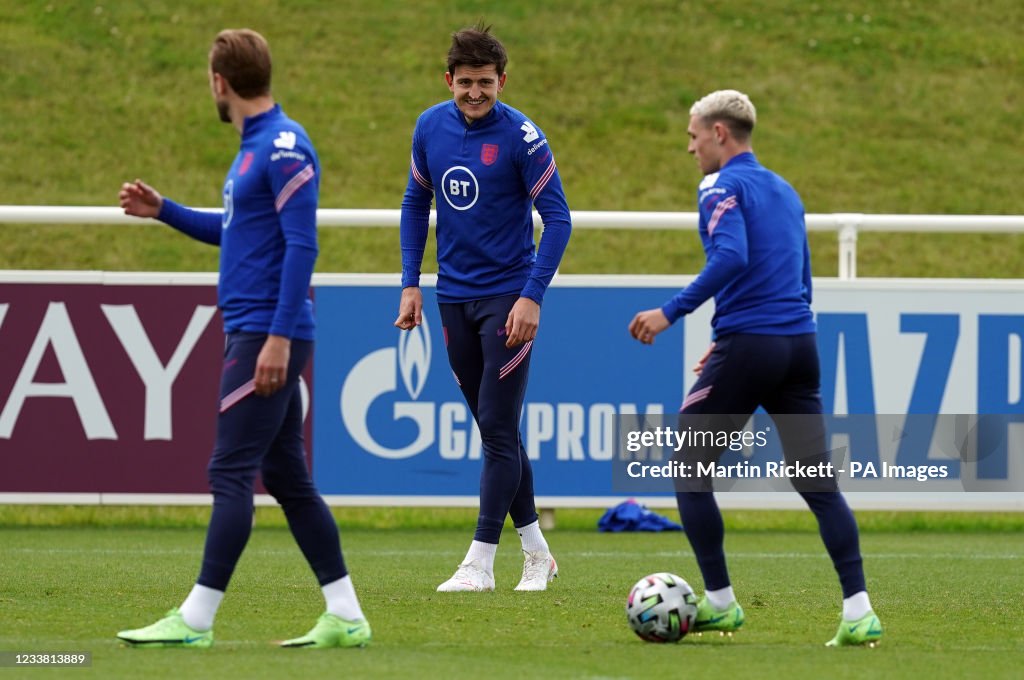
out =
column 730, row 107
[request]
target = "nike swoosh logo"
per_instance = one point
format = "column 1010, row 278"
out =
column 854, row 627
column 714, row 619
column 189, row 639
column 350, row 631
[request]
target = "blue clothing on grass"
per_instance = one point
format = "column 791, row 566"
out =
column 493, row 380
column 758, row 270
column 487, row 176
column 268, row 246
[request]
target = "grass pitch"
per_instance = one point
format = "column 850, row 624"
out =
column 871, row 106
column 950, row 599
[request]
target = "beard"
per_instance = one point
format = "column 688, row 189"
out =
column 222, row 111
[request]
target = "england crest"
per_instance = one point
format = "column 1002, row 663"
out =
column 489, row 153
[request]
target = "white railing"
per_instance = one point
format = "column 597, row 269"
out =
column 847, row 225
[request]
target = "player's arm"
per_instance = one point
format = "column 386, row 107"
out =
column 808, row 286
column 141, row 200
column 296, row 192
column 541, row 178
column 726, row 258
column 414, row 225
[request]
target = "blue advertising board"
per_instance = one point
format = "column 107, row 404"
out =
column 389, row 418
column 390, row 426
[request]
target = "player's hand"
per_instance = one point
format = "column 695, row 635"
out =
column 522, row 322
column 272, row 365
column 645, row 325
column 699, row 366
column 140, row 200
column 410, row 308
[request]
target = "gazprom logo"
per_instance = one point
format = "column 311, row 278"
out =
column 375, row 376
column 414, row 358
column 389, row 411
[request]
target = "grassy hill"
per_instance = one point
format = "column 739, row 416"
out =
column 865, row 106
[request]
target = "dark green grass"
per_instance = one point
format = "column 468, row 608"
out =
column 950, row 602
column 871, row 106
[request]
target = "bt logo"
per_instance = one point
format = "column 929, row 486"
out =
column 460, row 188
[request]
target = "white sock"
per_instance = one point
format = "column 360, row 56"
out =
column 341, row 599
column 200, row 607
column 533, row 538
column 482, row 553
column 721, row 599
column 856, row 606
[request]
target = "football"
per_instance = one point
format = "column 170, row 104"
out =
column 661, row 608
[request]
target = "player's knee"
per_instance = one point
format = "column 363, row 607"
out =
column 272, row 483
column 498, row 427
column 503, row 449
column 277, row 484
column 232, row 483
column 286, row 488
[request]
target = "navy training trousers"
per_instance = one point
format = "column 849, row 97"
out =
column 493, row 380
column 780, row 373
column 263, row 435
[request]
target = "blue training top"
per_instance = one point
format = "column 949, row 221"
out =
column 758, row 263
column 267, row 230
column 487, row 176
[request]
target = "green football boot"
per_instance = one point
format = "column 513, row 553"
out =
column 866, row 630
column 170, row 631
column 725, row 622
column 333, row 631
